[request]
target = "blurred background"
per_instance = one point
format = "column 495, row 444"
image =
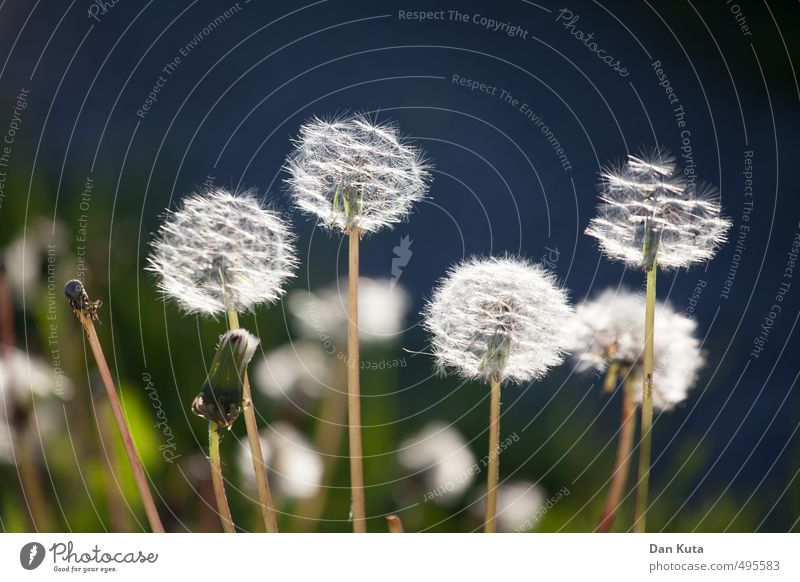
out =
column 111, row 112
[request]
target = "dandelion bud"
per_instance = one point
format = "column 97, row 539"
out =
column 648, row 215
column 220, row 251
column 220, row 400
column 353, row 173
column 500, row 317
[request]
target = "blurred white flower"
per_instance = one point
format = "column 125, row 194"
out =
column 351, row 172
column 221, row 251
column 295, row 466
column 298, row 368
column 25, row 256
column 610, row 328
column 382, row 310
column 519, row 505
column 647, row 198
column 501, row 316
column 443, row 457
column 27, row 381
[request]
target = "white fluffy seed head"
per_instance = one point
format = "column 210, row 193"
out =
column 323, row 315
column 352, row 173
column 441, row 455
column 646, row 198
column 502, row 316
column 610, row 328
column 221, row 251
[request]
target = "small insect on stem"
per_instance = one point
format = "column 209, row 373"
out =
column 79, row 300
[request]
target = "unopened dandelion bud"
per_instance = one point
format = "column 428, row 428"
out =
column 220, row 400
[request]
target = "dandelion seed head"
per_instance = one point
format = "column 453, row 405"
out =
column 350, row 172
column 221, row 251
column 295, row 466
column 610, row 328
column 520, row 506
column 646, row 196
column 382, row 310
column 442, row 455
column 299, row 370
column 501, row 316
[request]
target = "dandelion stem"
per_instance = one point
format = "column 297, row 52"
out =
column 119, row 416
column 494, row 457
column 622, row 462
column 394, row 523
column 217, row 479
column 643, row 483
column 260, row 469
column 354, row 388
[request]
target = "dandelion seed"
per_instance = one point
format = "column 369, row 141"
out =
column 352, row 173
column 498, row 316
column 646, row 200
column 608, row 330
column 222, row 252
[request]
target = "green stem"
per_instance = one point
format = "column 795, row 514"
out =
column 257, row 456
column 217, row 479
column 493, row 475
column 643, row 484
column 624, row 447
